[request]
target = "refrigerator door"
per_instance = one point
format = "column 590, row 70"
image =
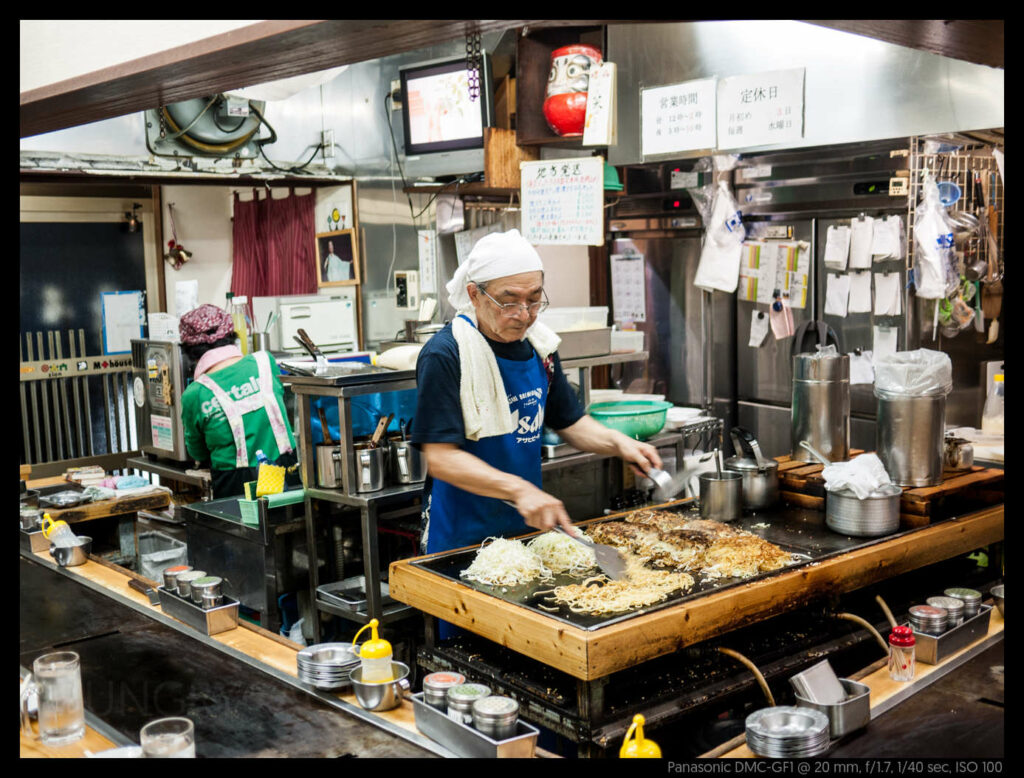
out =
column 770, row 425
column 765, row 374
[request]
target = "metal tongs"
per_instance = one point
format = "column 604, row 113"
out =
column 303, row 339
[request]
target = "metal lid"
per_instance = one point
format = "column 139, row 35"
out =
column 177, row 569
column 206, row 582
column 967, row 595
column 749, row 463
column 191, row 575
column 928, row 614
column 468, row 692
column 496, row 707
column 443, row 681
column 949, row 604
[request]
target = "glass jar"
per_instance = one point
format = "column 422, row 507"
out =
column 901, row 654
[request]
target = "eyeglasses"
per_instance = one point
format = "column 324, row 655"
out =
column 511, row 309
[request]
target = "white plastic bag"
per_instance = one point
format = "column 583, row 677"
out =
column 913, row 373
column 719, row 266
column 295, row 633
column 934, row 267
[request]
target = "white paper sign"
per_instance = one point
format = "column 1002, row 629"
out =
column 186, row 297
column 678, row 117
column 465, row 240
column 123, row 316
column 629, row 287
column 758, row 328
column 761, row 109
column 599, row 126
column 427, row 242
column 563, row 201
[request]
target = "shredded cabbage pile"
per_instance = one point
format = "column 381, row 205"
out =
column 561, row 554
column 501, row 562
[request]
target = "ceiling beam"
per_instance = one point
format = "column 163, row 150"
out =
column 256, row 54
column 972, row 40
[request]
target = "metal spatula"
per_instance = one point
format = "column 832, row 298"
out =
column 609, row 560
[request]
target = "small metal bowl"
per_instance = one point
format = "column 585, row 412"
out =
column 997, row 595
column 73, row 555
column 381, row 696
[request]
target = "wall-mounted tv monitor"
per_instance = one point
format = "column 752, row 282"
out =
column 443, row 126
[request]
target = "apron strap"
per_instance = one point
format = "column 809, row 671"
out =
column 266, row 380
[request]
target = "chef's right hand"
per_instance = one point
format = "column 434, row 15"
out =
column 542, row 511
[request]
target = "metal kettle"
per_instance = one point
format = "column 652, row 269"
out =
column 760, row 474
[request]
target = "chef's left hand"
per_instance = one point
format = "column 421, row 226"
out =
column 640, row 456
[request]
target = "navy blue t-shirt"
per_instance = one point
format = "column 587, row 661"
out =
column 438, row 416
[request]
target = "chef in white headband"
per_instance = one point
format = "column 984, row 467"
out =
column 488, row 384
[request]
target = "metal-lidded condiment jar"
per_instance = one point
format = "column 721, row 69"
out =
column 211, row 601
column 954, row 609
column 208, row 584
column 436, row 686
column 171, row 576
column 461, row 699
column 928, row 618
column 496, row 716
column 901, row 653
column 184, row 581
column 971, row 599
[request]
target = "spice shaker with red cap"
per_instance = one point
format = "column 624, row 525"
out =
column 901, row 653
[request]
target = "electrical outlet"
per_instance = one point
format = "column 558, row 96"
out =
column 327, row 139
column 396, row 94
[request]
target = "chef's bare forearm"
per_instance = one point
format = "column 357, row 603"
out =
column 458, row 467
column 590, row 435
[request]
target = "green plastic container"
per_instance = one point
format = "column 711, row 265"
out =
column 640, row 419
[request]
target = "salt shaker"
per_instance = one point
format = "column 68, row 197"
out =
column 901, row 654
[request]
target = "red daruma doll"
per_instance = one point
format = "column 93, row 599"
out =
column 565, row 106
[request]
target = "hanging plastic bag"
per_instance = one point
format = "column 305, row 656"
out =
column 719, row 266
column 934, row 267
column 914, row 373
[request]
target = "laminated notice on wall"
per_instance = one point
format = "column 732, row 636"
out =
column 758, row 267
column 563, row 201
column 793, row 270
column 629, row 287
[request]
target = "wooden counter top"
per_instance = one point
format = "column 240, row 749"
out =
column 592, row 654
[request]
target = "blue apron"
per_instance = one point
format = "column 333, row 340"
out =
column 459, row 518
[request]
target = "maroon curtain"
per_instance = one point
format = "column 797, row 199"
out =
column 274, row 246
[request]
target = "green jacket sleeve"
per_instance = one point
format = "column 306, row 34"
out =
column 195, row 439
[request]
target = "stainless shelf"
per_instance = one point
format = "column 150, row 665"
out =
column 606, row 359
column 659, row 441
column 388, row 612
column 165, row 470
column 363, row 499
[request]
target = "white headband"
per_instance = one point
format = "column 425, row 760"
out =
column 496, row 255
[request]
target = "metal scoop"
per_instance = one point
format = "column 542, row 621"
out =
column 666, row 486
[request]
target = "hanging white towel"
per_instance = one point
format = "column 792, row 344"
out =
column 837, row 247
column 888, row 294
column 485, row 410
column 861, row 233
column 837, row 294
column 860, row 292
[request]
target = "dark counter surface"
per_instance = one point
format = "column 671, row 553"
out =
column 135, row 670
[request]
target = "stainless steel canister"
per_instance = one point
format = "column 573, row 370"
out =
column 954, row 608
column 909, row 436
column 436, row 686
column 370, row 469
column 821, row 406
column 207, row 585
column 971, row 599
column 721, row 495
column 496, row 716
column 171, row 576
column 328, row 466
column 929, row 619
column 461, row 699
column 184, row 581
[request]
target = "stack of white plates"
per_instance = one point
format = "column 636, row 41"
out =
column 327, row 665
column 678, row 416
column 788, row 732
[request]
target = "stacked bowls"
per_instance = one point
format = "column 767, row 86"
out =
column 327, row 665
column 788, row 732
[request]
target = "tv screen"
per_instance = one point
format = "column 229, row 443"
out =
column 438, row 112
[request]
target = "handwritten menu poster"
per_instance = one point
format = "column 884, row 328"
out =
column 678, row 117
column 563, row 201
column 761, row 109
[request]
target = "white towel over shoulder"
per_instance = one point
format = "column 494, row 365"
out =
column 485, row 409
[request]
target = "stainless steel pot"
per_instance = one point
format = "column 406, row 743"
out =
column 873, row 516
column 721, row 495
column 72, row 555
column 328, row 466
column 381, row 696
column 408, row 464
column 821, row 406
column 760, row 475
column 909, row 437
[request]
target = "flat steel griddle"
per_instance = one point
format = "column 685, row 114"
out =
column 801, row 532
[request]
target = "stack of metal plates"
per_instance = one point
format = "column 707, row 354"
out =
column 787, row 732
column 327, row 665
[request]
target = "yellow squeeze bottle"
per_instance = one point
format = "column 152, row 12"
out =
column 638, row 748
column 375, row 654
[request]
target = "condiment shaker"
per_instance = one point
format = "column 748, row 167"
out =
column 971, row 599
column 901, row 653
column 436, row 686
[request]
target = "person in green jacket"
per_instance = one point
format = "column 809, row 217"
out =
column 234, row 407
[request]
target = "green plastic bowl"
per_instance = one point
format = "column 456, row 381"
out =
column 639, row 419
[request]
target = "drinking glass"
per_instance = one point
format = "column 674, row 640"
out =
column 171, row 738
column 57, row 680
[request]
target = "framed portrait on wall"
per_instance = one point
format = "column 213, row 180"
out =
column 337, row 258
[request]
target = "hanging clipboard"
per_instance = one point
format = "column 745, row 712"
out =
column 124, row 318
